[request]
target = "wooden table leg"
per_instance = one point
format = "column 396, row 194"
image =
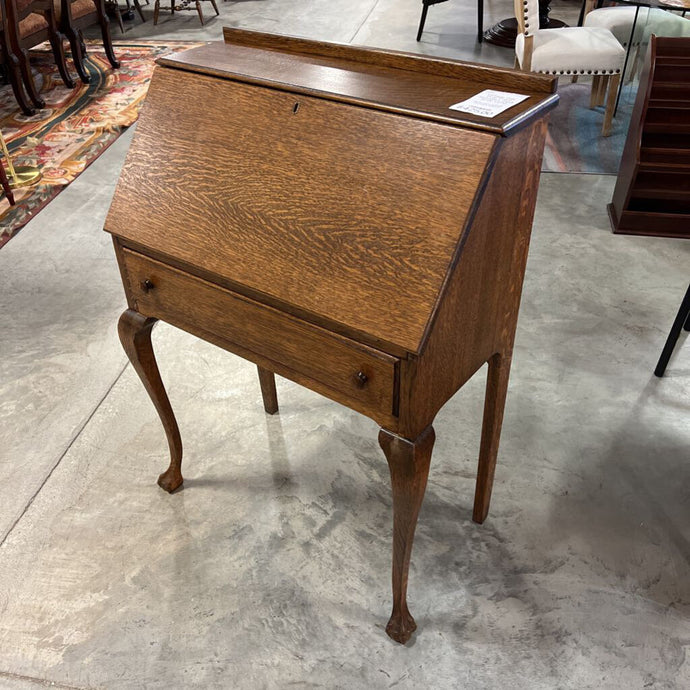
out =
column 494, row 403
column 408, row 462
column 135, row 336
column 267, row 380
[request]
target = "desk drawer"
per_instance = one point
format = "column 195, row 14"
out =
column 349, row 372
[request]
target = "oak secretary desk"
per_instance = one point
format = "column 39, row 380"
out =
column 318, row 210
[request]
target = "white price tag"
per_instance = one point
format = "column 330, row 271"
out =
column 489, row 103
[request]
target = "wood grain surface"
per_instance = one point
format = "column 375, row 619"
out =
column 341, row 211
column 367, row 379
column 400, row 82
column 478, row 315
column 309, row 203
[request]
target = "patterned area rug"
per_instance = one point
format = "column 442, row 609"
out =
column 574, row 143
column 76, row 125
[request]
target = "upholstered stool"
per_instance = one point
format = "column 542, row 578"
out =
column 619, row 21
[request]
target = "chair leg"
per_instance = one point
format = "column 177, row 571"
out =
column 603, row 86
column 594, row 93
column 172, row 7
column 199, row 12
column 156, row 10
column 137, row 6
column 15, row 77
column 28, row 78
column 120, row 23
column 574, row 79
column 613, row 82
column 106, row 37
column 425, row 9
column 682, row 320
column 77, row 55
column 635, row 63
column 601, row 91
column 215, row 7
column 56, row 39
column 480, row 21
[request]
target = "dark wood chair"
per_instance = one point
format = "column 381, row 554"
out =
column 29, row 23
column 10, row 63
column 191, row 5
column 682, row 321
column 75, row 15
column 480, row 18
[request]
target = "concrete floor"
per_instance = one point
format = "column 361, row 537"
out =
column 271, row 568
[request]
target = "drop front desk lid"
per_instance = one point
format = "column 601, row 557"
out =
column 329, row 181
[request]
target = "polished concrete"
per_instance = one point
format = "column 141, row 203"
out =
column 271, row 568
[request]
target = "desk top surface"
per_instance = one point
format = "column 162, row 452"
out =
column 399, row 82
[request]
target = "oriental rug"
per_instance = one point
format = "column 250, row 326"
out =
column 77, row 125
column 574, row 143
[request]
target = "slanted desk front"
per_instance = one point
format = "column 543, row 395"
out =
column 318, row 210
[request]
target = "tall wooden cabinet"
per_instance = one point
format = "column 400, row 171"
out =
column 652, row 193
column 320, row 211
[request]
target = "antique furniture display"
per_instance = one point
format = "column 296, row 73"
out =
column 322, row 213
column 113, row 9
column 682, row 321
column 505, row 32
column 652, row 192
column 190, row 5
column 28, row 23
column 634, row 21
column 501, row 34
column 425, row 8
column 571, row 50
column 75, row 15
column 11, row 64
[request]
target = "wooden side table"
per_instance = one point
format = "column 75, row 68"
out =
column 322, row 213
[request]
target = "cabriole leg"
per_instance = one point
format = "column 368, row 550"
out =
column 135, row 336
column 77, row 55
column 494, row 404
column 56, row 39
column 106, row 37
column 28, row 79
column 408, row 462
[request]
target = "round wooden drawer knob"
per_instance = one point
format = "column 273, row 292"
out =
column 360, row 379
